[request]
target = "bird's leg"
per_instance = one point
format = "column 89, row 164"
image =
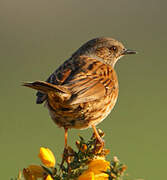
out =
column 65, row 136
column 98, row 136
column 65, row 146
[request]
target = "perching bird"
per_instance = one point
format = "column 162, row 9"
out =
column 84, row 89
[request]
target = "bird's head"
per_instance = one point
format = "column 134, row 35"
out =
column 107, row 50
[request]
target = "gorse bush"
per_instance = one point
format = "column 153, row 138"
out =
column 88, row 162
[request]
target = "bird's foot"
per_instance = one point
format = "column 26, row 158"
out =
column 67, row 157
column 63, row 158
column 98, row 134
column 101, row 142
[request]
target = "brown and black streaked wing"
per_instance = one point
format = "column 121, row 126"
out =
column 63, row 75
column 84, row 77
column 91, row 82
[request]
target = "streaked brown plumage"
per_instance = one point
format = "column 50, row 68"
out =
column 84, row 89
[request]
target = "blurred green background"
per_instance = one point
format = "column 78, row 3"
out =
column 36, row 36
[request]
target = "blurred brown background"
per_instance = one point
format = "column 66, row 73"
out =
column 36, row 36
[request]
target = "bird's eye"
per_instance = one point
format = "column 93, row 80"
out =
column 113, row 48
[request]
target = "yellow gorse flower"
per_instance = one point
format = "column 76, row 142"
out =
column 101, row 176
column 47, row 157
column 49, row 177
column 87, row 176
column 98, row 165
column 95, row 170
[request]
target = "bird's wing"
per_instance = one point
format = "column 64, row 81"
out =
column 90, row 82
column 84, row 77
column 85, row 90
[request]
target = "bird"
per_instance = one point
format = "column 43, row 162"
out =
column 84, row 89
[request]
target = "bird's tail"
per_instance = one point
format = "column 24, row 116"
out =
column 45, row 87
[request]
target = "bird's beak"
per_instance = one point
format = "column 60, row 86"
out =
column 128, row 51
